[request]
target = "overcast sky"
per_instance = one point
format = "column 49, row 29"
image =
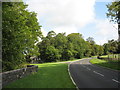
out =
column 87, row 17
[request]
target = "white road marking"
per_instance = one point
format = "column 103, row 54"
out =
column 80, row 62
column 115, row 80
column 88, row 68
column 83, row 66
column 71, row 76
column 98, row 73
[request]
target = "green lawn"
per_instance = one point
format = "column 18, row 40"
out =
column 104, row 56
column 49, row 75
column 113, row 64
column 74, row 60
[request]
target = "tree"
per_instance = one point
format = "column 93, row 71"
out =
column 52, row 54
column 48, row 53
column 20, row 33
column 51, row 34
column 90, row 40
column 88, row 49
column 78, row 44
column 111, row 47
column 101, row 50
column 67, row 54
column 114, row 14
column 60, row 42
column 106, row 48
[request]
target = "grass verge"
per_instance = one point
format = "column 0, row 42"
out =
column 49, row 75
column 115, row 64
column 73, row 60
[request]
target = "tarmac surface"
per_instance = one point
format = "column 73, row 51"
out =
column 87, row 75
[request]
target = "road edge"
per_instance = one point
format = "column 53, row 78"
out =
column 105, row 67
column 71, row 76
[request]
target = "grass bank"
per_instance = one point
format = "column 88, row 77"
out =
column 49, row 75
column 113, row 64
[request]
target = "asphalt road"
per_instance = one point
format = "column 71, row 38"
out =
column 87, row 75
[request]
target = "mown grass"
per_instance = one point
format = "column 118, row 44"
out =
column 113, row 64
column 73, row 60
column 49, row 75
column 104, row 56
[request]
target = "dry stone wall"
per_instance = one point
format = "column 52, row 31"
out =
column 9, row 76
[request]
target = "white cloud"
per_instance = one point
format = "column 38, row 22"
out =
column 43, row 31
column 66, row 29
column 105, row 31
column 69, row 16
column 63, row 14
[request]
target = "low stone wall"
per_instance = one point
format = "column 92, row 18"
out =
column 107, row 58
column 9, row 76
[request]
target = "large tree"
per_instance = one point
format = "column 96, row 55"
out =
column 20, row 30
column 114, row 14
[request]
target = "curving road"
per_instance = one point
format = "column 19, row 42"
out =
column 87, row 75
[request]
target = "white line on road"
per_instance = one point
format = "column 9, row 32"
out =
column 98, row 73
column 83, row 65
column 115, row 80
column 88, row 68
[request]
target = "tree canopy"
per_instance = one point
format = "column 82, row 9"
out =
column 20, row 33
column 59, row 47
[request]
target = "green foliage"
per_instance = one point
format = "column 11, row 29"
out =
column 101, row 50
column 90, row 40
column 52, row 54
column 114, row 14
column 20, row 33
column 59, row 47
column 67, row 55
column 111, row 47
column 114, row 11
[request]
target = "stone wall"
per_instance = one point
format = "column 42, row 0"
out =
column 9, row 76
column 106, row 58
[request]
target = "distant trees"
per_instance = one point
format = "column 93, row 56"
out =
column 91, row 40
column 20, row 31
column 59, row 47
column 94, row 48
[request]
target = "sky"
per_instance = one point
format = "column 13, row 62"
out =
column 87, row 17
